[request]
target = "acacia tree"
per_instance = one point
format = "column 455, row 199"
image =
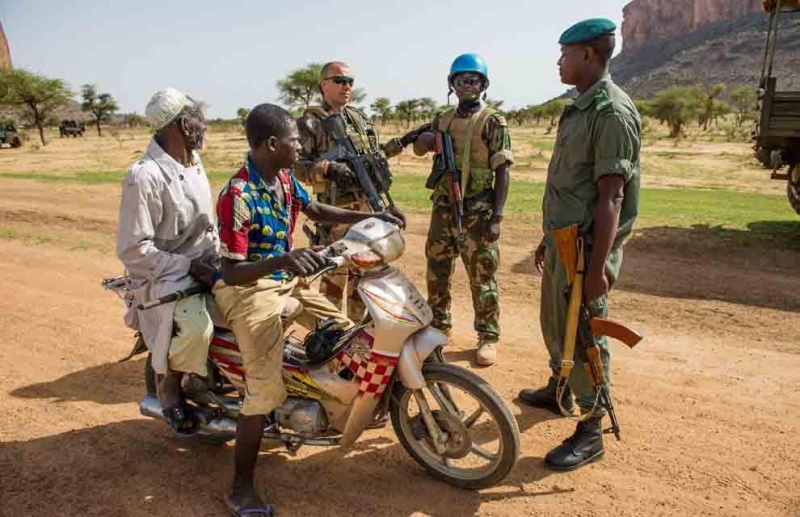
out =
column 101, row 106
column 744, row 101
column 300, row 89
column 709, row 104
column 36, row 95
column 676, row 107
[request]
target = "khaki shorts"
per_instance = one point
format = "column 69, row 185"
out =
column 253, row 312
column 193, row 329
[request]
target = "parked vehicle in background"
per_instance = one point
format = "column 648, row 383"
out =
column 71, row 128
column 9, row 136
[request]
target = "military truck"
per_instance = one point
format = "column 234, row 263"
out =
column 9, row 136
column 71, row 128
column 777, row 133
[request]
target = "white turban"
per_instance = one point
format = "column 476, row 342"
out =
column 165, row 105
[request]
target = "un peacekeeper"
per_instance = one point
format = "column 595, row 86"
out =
column 333, row 182
column 592, row 180
column 167, row 239
column 482, row 152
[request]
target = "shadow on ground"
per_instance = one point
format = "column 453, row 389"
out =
column 759, row 266
column 109, row 383
column 135, row 468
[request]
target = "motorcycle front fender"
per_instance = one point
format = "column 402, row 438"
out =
column 415, row 350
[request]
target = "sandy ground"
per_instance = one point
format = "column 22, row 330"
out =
column 708, row 403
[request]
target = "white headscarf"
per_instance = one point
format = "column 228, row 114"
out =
column 165, row 105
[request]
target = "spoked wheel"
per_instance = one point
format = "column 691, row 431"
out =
column 479, row 440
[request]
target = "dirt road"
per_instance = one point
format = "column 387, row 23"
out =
column 709, row 403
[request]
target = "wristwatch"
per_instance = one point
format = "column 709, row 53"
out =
column 497, row 218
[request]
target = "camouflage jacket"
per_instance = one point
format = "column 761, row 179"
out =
column 311, row 168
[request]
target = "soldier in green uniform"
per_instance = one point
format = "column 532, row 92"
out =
column 592, row 180
column 482, row 149
column 333, row 182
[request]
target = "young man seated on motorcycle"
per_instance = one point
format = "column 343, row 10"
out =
column 257, row 212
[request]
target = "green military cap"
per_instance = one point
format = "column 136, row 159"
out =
column 587, row 30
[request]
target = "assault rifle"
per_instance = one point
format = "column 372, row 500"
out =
column 445, row 165
column 581, row 325
column 370, row 167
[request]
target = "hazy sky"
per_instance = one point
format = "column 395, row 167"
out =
column 230, row 54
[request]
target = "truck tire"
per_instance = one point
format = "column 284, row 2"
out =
column 793, row 187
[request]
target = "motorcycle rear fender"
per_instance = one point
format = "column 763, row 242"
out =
column 415, row 350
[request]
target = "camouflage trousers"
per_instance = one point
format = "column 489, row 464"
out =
column 553, row 320
column 341, row 283
column 481, row 259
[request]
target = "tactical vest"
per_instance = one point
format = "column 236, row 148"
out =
column 363, row 135
column 471, row 153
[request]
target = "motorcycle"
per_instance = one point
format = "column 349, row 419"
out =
column 448, row 419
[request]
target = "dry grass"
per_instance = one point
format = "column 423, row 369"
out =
column 698, row 161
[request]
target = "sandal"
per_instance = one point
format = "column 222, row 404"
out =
column 266, row 510
column 181, row 419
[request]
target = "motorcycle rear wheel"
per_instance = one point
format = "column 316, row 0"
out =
column 459, row 399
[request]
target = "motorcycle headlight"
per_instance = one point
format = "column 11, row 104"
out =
column 366, row 259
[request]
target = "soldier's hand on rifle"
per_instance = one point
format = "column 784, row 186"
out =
column 303, row 261
column 390, row 218
column 398, row 214
column 339, row 173
column 595, row 285
column 538, row 256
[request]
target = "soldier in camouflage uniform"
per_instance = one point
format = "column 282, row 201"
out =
column 482, row 149
column 333, row 182
column 592, row 181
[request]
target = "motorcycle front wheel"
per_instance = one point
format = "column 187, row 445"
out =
column 480, row 440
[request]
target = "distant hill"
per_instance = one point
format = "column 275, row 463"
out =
column 727, row 51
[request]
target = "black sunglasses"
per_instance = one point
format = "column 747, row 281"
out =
column 341, row 79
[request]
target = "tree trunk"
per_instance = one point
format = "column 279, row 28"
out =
column 38, row 120
column 97, row 121
column 41, row 132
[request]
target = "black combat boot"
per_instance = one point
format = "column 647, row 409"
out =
column 545, row 398
column 583, row 447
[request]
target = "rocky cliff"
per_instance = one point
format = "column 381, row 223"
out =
column 5, row 54
column 647, row 21
column 688, row 42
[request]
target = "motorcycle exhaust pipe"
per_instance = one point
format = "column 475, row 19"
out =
column 150, row 407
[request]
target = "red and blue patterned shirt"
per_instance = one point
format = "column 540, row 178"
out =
column 254, row 223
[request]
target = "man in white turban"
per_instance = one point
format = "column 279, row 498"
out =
column 168, row 241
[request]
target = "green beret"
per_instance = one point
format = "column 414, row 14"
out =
column 587, row 30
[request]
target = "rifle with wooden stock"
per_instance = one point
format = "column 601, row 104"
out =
column 583, row 327
column 445, row 165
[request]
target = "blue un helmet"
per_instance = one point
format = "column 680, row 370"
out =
column 469, row 63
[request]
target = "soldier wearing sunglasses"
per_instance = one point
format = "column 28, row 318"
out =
column 333, row 182
column 482, row 152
